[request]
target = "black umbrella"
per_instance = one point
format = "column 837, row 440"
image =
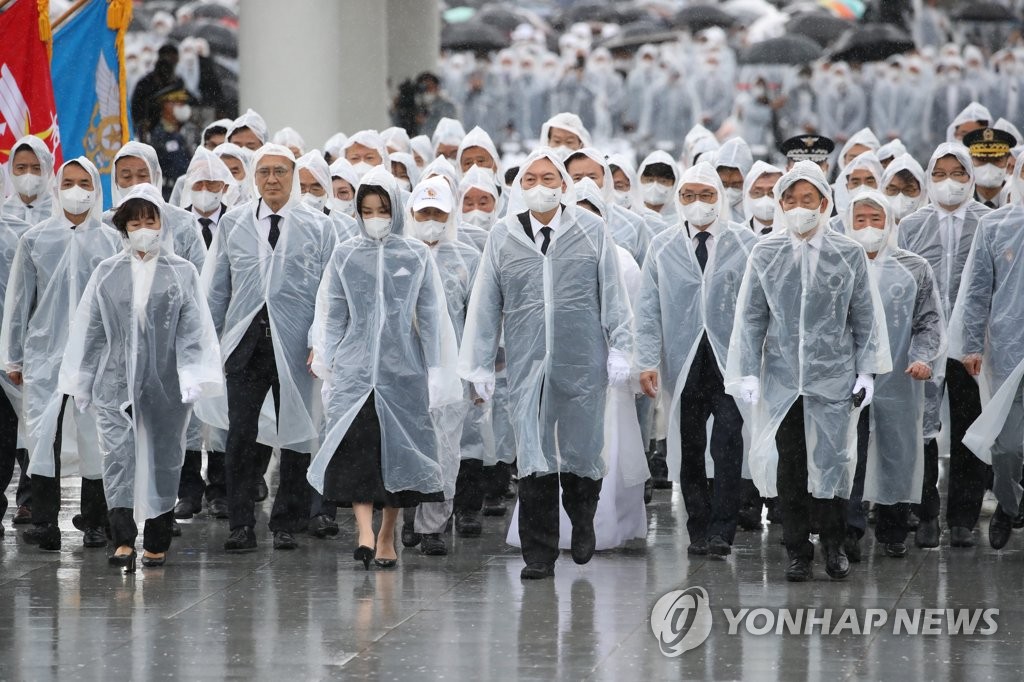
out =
column 473, row 35
column 215, row 12
column 501, row 18
column 822, row 28
column 790, row 49
column 984, row 11
column 870, row 43
column 621, row 13
column 222, row 40
column 632, row 36
column 699, row 17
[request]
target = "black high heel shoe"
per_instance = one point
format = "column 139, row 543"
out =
column 125, row 560
column 364, row 554
column 153, row 561
column 386, row 563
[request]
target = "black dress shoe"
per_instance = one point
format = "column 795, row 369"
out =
column 1018, row 519
column 321, row 525
column 218, row 508
column 852, row 548
column 262, row 491
column 22, row 516
column 961, row 537
column 433, row 544
column 1000, row 526
column 494, row 505
column 927, row 534
column 186, row 509
column 410, row 538
column 467, row 524
column 837, row 565
column 648, row 490
column 749, row 518
column 698, row 547
column 537, row 571
column 46, row 536
column 896, row 550
column 175, row 530
column 94, row 537
column 799, row 570
column 774, row 511
column 284, row 540
column 719, row 546
column 242, row 539
column 583, row 542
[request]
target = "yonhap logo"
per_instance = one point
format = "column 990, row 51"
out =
column 681, row 620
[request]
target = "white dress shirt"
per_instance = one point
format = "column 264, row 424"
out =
column 714, row 230
column 263, row 214
column 536, row 225
column 951, row 229
column 812, row 246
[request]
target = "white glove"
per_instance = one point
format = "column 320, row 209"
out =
column 82, row 402
column 484, row 389
column 750, row 390
column 867, row 382
column 190, row 394
column 618, row 368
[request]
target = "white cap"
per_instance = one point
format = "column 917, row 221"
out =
column 432, row 193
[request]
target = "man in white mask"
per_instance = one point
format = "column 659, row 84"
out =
column 990, row 155
column 315, row 185
column 344, row 181
column 942, row 232
column 808, row 338
column 30, row 171
column 50, row 270
column 364, row 150
column 658, row 176
column 759, row 197
column 732, row 162
column 542, row 258
column 564, row 133
column 478, row 195
column 684, row 319
column 248, row 130
column 903, row 183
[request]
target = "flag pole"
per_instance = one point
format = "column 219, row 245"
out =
column 68, row 14
column 4, row 3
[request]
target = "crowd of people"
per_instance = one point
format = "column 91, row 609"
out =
column 424, row 327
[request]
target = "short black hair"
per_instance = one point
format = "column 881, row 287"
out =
column 366, row 190
column 214, row 130
column 510, row 174
column 134, row 209
column 24, row 147
column 659, row 170
column 907, row 177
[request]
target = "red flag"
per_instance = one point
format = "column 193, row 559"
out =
column 26, row 92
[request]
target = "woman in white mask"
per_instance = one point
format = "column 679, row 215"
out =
column 384, row 345
column 343, row 188
column 139, row 379
column 903, row 183
column 405, row 170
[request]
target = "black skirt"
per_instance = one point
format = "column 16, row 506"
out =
column 354, row 473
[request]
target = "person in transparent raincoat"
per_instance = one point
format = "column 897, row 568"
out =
column 808, row 337
column 549, row 279
column 942, row 232
column 684, row 321
column 30, row 173
column 385, row 347
column 985, row 333
column 316, row 186
column 890, row 433
column 141, row 350
column 50, row 270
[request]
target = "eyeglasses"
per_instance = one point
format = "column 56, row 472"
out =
column 690, row 197
column 760, row 193
column 939, row 176
column 279, row 172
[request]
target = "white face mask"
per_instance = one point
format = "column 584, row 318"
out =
column 801, row 220
column 871, row 238
column 313, row 201
column 405, row 184
column 144, row 240
column 479, row 218
column 28, row 184
column 654, row 193
column 989, row 176
column 182, row 112
column 542, row 199
column 763, row 209
column 76, row 200
column 430, row 230
column 622, row 198
column 346, row 206
column 902, row 205
column 733, row 196
column 700, row 214
column 362, row 168
column 562, row 152
column 377, row 228
column 950, row 192
column 205, row 200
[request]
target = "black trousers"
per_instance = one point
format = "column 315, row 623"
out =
column 711, row 509
column 538, row 511
column 247, row 387
column 476, row 481
column 46, row 490
column 8, row 449
column 192, row 487
column 893, row 523
column 156, row 534
column 967, row 474
column 798, row 506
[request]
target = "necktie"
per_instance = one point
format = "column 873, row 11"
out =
column 702, row 249
column 766, row 230
column 275, row 230
column 207, row 232
column 546, row 232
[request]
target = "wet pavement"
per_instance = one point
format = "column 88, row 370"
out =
column 315, row 613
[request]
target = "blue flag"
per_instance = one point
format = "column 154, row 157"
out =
column 87, row 86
